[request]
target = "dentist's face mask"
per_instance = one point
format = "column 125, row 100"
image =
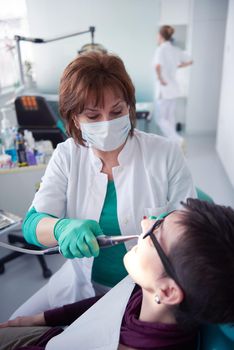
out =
column 107, row 135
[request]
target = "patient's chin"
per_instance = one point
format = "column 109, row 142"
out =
column 125, row 259
column 128, row 259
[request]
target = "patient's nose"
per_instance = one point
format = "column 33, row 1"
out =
column 146, row 224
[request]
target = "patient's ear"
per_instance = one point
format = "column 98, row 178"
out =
column 169, row 293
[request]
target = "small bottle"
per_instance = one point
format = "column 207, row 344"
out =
column 39, row 152
column 21, row 150
column 30, row 145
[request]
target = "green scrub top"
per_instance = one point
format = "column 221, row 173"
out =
column 108, row 268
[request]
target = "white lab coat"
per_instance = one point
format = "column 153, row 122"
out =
column 152, row 177
column 169, row 57
column 99, row 327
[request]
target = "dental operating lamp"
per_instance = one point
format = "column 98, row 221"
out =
column 86, row 47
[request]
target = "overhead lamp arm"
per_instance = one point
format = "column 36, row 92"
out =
column 19, row 38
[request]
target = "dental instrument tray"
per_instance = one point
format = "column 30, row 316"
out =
column 8, row 219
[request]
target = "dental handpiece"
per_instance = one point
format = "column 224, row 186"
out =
column 103, row 241
column 109, row 241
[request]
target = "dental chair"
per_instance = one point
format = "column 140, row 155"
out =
column 217, row 337
column 36, row 114
column 16, row 238
column 10, row 225
column 203, row 196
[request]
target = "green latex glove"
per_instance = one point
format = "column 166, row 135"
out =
column 77, row 238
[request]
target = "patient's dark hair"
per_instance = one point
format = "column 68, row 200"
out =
column 204, row 263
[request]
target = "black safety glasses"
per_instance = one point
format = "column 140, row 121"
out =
column 164, row 259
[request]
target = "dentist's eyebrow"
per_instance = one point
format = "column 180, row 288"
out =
column 94, row 109
column 90, row 109
column 117, row 103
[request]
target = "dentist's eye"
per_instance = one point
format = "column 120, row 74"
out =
column 92, row 117
column 117, row 112
column 95, row 117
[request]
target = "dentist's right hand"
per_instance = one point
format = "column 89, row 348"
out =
column 77, row 238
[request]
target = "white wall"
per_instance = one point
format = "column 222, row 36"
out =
column 225, row 133
column 127, row 28
column 174, row 12
column 207, row 42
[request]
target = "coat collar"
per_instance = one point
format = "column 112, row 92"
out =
column 166, row 43
column 124, row 156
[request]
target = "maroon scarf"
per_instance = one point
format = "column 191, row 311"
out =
column 148, row 335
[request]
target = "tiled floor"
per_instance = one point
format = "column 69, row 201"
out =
column 23, row 276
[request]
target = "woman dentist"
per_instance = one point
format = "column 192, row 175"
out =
column 103, row 180
column 168, row 58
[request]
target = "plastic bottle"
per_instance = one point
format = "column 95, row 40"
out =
column 30, row 146
column 39, row 152
column 21, row 150
column 8, row 138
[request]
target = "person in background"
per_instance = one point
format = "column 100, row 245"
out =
column 103, row 180
column 176, row 283
column 168, row 58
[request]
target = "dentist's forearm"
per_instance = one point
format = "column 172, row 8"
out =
column 36, row 231
column 45, row 232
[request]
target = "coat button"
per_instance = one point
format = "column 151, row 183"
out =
column 126, row 221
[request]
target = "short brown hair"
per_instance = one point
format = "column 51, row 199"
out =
column 166, row 32
column 90, row 74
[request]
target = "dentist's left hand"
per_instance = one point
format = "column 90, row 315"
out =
column 77, row 238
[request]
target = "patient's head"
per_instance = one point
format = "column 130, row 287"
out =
column 198, row 284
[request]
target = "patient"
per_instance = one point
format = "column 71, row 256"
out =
column 183, row 273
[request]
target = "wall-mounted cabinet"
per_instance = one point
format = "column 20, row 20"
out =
column 18, row 187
